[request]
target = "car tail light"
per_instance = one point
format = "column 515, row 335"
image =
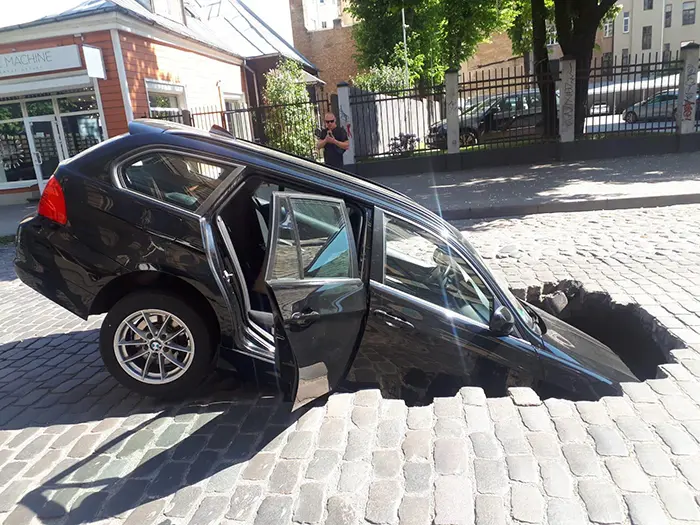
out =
column 52, row 204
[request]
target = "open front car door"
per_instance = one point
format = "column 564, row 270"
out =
column 318, row 299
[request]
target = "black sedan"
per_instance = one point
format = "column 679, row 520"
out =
column 204, row 251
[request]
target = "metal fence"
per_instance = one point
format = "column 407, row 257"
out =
column 395, row 123
column 633, row 96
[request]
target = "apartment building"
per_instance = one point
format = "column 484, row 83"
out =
column 654, row 26
column 322, row 14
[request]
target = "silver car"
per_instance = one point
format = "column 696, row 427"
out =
column 660, row 106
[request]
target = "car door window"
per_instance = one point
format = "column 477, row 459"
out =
column 420, row 264
column 179, row 180
column 313, row 240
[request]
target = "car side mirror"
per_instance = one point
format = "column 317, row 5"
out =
column 502, row 321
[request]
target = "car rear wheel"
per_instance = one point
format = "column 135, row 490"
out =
column 155, row 344
column 631, row 117
column 468, row 138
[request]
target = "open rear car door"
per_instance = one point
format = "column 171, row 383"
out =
column 319, row 301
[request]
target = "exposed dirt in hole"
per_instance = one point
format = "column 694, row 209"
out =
column 629, row 330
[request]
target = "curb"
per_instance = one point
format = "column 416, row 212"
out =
column 569, row 206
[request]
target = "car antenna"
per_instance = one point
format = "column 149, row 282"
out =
column 220, row 130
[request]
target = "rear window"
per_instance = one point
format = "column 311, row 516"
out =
column 180, row 180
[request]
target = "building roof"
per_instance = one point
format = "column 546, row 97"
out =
column 227, row 25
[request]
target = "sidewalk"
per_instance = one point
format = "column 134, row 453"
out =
column 630, row 182
column 11, row 215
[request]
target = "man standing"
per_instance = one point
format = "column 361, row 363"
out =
column 334, row 142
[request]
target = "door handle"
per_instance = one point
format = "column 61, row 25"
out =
column 392, row 320
column 306, row 317
column 39, row 158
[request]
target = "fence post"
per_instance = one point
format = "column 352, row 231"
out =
column 345, row 118
column 687, row 93
column 452, row 108
column 186, row 117
column 567, row 99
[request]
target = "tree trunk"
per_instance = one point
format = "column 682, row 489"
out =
column 543, row 74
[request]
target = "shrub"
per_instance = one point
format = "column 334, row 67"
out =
column 380, row 79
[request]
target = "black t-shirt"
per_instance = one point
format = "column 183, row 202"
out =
column 332, row 154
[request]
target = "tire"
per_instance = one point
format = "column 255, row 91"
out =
column 467, row 139
column 197, row 336
column 631, row 117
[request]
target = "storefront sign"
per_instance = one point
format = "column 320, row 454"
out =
column 39, row 60
column 94, row 63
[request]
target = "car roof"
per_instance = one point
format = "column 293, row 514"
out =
column 371, row 191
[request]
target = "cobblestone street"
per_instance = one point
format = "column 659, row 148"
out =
column 75, row 447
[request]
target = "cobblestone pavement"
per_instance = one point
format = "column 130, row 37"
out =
column 77, row 448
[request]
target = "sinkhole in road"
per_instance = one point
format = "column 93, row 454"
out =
column 637, row 337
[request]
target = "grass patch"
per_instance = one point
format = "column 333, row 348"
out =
column 6, row 240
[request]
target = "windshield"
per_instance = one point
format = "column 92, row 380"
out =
column 503, row 285
column 481, row 106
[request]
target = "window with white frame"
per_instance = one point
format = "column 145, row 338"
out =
column 608, row 29
column 626, row 22
column 668, row 15
column 164, row 98
column 688, row 13
column 237, row 116
column 648, row 4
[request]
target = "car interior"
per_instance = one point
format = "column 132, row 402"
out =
column 246, row 218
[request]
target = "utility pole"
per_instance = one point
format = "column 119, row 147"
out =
column 405, row 47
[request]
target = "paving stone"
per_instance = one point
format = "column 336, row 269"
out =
column 484, row 445
column 274, row 509
column 652, row 413
column 311, row 420
column 512, row 437
column 225, row 477
column 476, row 417
column 601, row 501
column 259, row 467
column 244, row 502
column 299, row 445
column 147, row 513
column 338, row 405
column 681, row 408
column 386, row 463
column 565, row 512
column 633, row 429
column 559, row 407
column 645, row 510
column 447, row 407
column 593, row 412
column 653, row 460
column 677, row 439
column 490, row 476
column 332, row 434
column 527, row 504
column 285, row 476
column 359, row 445
column 367, row 398
column 664, row 387
column 390, row 433
column 417, row 477
column 522, row 468
column 501, row 408
column 472, row 395
column 340, row 512
column 383, row 501
column 627, row 475
column 450, row 428
column 677, row 499
column 137, row 442
column 414, row 510
column 416, row 445
column 618, row 407
column 536, row 418
column 524, row 396
column 323, row 464
column 393, row 409
column 364, row 417
column 690, row 468
column 419, row 418
column 450, row 455
column 556, row 479
column 582, row 459
column 570, row 430
column 309, row 508
column 490, row 510
column 639, row 392
column 172, row 435
column 12, row 494
column 544, row 445
column 353, row 475
column 453, row 501
column 608, row 441
column 181, row 503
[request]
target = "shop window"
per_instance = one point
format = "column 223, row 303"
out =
column 86, row 102
column 81, row 132
column 10, row 111
column 36, row 108
column 164, row 98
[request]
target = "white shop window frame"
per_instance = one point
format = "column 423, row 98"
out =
column 163, row 87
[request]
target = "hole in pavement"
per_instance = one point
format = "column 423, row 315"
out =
column 627, row 329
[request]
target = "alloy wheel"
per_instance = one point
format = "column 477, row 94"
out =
column 154, row 346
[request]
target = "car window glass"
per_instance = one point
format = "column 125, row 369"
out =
column 313, row 240
column 422, row 265
column 173, row 178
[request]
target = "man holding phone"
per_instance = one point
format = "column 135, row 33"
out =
column 334, row 141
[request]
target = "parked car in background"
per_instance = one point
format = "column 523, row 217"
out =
column 203, row 249
column 503, row 117
column 660, row 106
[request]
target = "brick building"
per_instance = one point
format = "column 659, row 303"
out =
column 73, row 79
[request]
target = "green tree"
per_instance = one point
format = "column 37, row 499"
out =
column 289, row 121
column 380, row 78
column 440, row 34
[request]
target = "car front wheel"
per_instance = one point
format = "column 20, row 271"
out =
column 155, row 344
column 631, row 117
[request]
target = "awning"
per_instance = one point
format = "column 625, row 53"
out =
column 29, row 87
column 310, row 79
